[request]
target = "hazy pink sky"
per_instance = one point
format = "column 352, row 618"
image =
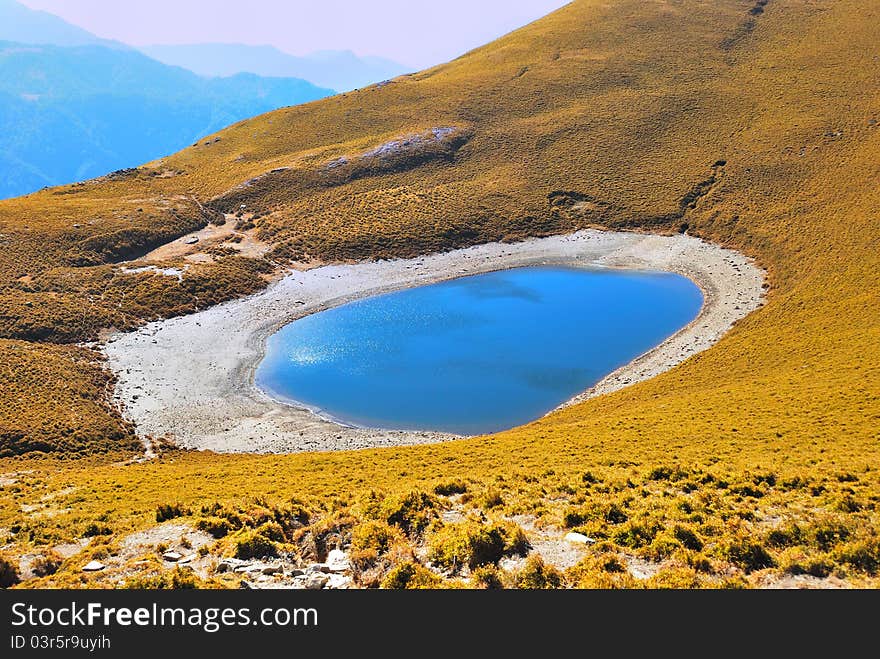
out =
column 414, row 32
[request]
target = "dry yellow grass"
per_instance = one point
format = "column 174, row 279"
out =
column 756, row 129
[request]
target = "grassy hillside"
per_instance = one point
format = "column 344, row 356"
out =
column 754, row 125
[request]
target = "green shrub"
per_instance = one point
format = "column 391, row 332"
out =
column 412, row 512
column 828, row 535
column 687, row 538
column 451, row 487
column 491, row 499
column 253, row 545
column 46, row 564
column 410, row 576
column 272, row 531
column 373, row 536
column 486, row 577
column 216, row 527
column 786, row 536
column 537, row 575
column 675, row 579
column 176, row 579
column 466, row 543
column 747, row 555
column 8, row 572
column 94, row 529
column 165, row 511
column 863, row 555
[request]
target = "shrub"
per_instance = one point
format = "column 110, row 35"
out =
column 786, row 536
column 8, row 572
column 636, row 534
column 94, row 530
column 491, row 499
column 537, row 575
column 486, row 577
column 747, row 555
column 272, row 531
column 515, row 539
column 410, row 576
column 176, row 579
column 451, row 487
column 863, row 556
column 602, row 571
column 615, row 514
column 373, row 536
column 165, row 511
column 676, row 579
column 46, row 564
column 216, row 527
column 466, row 543
column 253, row 545
column 829, row 534
column 687, row 538
column 573, row 518
column 412, row 512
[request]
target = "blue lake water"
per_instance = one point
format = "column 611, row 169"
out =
column 478, row 354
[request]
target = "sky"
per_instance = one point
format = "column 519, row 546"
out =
column 417, row 33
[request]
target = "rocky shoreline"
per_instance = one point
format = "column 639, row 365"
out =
column 190, row 379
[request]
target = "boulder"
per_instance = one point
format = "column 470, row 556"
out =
column 316, row 581
column 172, row 556
column 578, row 539
column 93, row 566
column 337, row 561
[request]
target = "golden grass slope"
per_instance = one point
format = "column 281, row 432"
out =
column 751, row 124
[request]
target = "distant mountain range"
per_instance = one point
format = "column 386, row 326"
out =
column 24, row 25
column 69, row 114
column 74, row 106
column 341, row 70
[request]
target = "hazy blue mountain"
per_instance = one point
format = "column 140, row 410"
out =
column 341, row 70
column 25, row 25
column 68, row 114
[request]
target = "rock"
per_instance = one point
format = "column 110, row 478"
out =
column 578, row 539
column 93, row 566
column 296, row 572
column 244, row 585
column 316, row 568
column 172, row 556
column 316, row 581
column 338, row 582
column 273, row 569
column 230, row 564
column 191, row 241
column 186, row 560
column 337, row 561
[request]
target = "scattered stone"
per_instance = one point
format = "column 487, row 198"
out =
column 337, row 561
column 578, row 539
column 93, row 566
column 316, row 581
column 172, row 556
column 338, row 582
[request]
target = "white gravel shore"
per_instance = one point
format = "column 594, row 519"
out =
column 190, row 379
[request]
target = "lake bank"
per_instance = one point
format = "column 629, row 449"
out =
column 191, row 379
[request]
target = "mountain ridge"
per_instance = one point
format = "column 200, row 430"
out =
column 339, row 70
